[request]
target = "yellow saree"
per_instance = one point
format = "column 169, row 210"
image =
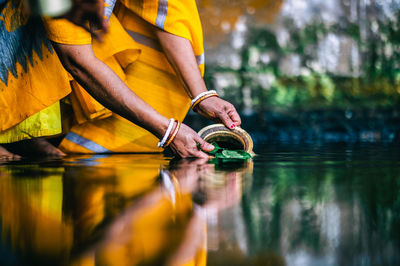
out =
column 138, row 59
column 29, row 106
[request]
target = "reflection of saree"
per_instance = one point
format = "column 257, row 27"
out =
column 29, row 107
column 131, row 49
column 46, row 217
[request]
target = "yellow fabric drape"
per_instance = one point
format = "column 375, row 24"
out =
column 32, row 79
column 44, row 123
column 178, row 17
column 138, row 58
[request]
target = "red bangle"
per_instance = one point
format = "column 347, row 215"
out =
column 174, row 133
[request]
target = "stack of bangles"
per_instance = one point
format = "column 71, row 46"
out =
column 201, row 97
column 170, row 134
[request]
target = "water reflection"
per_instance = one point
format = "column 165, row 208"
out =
column 322, row 206
column 121, row 210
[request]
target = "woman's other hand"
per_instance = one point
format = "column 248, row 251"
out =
column 186, row 143
column 92, row 11
column 220, row 111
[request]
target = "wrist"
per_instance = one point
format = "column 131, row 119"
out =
column 196, row 88
column 195, row 93
column 167, row 134
column 161, row 127
column 173, row 134
column 201, row 97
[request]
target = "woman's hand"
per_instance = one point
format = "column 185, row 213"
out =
column 185, row 144
column 220, row 111
column 84, row 11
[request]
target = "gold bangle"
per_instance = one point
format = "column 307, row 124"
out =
column 202, row 99
column 175, row 132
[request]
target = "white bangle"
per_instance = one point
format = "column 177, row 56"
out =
column 201, row 95
column 166, row 135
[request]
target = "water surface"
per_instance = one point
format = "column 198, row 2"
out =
column 291, row 205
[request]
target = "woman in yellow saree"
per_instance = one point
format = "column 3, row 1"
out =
column 147, row 68
column 32, row 80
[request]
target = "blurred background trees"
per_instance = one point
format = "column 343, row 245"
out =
column 303, row 54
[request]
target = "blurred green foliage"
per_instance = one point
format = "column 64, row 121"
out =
column 375, row 82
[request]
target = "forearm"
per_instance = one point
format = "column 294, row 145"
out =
column 179, row 52
column 108, row 89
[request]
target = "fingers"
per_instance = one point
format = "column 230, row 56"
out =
column 201, row 161
column 234, row 116
column 192, row 153
column 91, row 11
column 191, row 150
column 205, row 146
column 200, row 154
column 102, row 23
column 98, row 19
column 92, row 31
column 226, row 119
column 186, row 144
column 10, row 157
column 220, row 111
column 95, row 15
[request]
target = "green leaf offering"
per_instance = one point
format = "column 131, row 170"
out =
column 236, row 154
column 229, row 155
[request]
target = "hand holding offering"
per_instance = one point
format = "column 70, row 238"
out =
column 210, row 106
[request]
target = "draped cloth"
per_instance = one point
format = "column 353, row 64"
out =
column 32, row 79
column 131, row 49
